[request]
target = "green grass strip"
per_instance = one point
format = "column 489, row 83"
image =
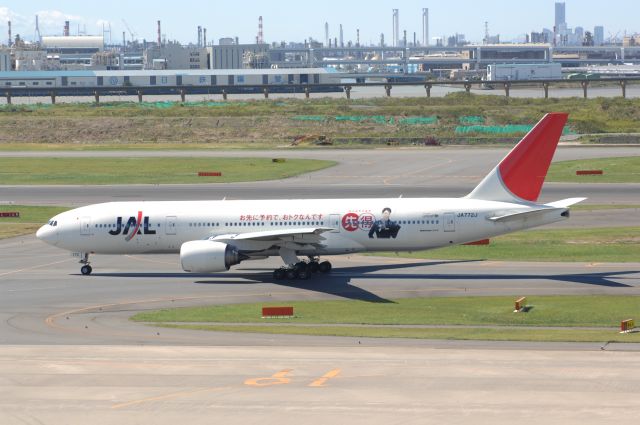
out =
column 30, row 213
column 31, row 218
column 547, row 311
column 616, row 170
column 551, row 318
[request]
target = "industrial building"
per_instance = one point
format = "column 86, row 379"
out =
column 83, row 44
column 175, row 56
column 511, row 72
column 5, row 60
column 88, row 52
column 236, row 56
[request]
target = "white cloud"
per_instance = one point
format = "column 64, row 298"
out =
column 52, row 21
column 16, row 19
column 7, row 14
column 101, row 22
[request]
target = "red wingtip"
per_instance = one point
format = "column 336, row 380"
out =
column 524, row 169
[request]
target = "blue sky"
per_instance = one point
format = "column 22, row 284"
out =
column 297, row 20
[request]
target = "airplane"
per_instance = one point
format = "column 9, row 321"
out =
column 213, row 236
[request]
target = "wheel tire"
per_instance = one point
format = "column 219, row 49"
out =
column 324, row 267
column 291, row 274
column 313, row 267
column 278, row 274
column 86, row 270
column 304, row 274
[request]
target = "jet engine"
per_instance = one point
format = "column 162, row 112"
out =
column 208, row 256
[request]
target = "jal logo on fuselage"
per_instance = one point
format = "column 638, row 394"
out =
column 134, row 223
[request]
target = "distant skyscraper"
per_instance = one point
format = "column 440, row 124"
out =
column 578, row 35
column 561, row 18
column 598, row 35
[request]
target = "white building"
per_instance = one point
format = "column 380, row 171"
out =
column 81, row 44
column 510, row 72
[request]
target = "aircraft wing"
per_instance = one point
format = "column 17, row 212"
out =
column 275, row 235
column 307, row 237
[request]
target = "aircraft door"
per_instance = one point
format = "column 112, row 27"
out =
column 170, row 225
column 334, row 222
column 85, row 226
column 449, row 222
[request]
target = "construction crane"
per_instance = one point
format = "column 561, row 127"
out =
column 134, row 36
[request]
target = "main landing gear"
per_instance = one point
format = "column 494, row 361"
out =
column 86, row 266
column 302, row 270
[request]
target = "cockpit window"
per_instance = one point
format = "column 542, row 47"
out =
column 53, row 223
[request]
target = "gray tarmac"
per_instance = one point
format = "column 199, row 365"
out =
column 68, row 349
column 69, row 354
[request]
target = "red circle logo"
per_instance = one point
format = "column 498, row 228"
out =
column 350, row 222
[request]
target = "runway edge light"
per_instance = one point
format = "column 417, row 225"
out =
column 520, row 305
column 627, row 326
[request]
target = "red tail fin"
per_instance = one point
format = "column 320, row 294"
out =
column 520, row 175
column 524, row 169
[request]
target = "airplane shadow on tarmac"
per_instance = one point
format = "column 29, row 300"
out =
column 339, row 284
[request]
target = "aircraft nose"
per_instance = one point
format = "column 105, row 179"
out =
column 48, row 234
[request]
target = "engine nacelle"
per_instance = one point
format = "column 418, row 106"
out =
column 208, row 256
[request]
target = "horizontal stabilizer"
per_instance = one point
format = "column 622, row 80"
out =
column 565, row 203
column 522, row 215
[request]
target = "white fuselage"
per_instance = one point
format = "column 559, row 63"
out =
column 357, row 225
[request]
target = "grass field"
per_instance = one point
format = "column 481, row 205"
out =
column 616, row 170
column 31, row 218
column 51, row 171
column 601, row 245
column 269, row 123
column 551, row 318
